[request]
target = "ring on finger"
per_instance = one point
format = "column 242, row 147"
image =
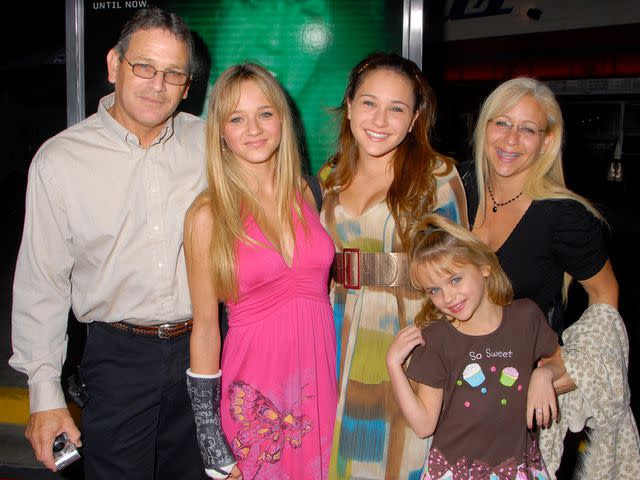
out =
column 539, row 410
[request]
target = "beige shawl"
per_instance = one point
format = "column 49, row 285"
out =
column 596, row 355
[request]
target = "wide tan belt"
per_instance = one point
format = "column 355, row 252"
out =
column 353, row 269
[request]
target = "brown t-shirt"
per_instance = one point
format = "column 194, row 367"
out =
column 485, row 380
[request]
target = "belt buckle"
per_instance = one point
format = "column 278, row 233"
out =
column 163, row 330
column 351, row 268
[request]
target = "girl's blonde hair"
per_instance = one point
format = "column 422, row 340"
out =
column 228, row 195
column 437, row 244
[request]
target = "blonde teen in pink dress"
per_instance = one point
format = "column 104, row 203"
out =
column 253, row 239
column 279, row 387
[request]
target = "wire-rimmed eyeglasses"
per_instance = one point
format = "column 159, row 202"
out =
column 147, row 71
column 505, row 126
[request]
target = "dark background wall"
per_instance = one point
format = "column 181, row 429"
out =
column 33, row 106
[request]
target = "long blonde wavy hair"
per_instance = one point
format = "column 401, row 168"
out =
column 545, row 179
column 438, row 244
column 228, row 194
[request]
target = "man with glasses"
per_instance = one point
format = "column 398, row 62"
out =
column 105, row 206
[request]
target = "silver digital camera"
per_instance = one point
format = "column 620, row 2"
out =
column 64, row 451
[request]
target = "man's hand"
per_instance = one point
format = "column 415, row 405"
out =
column 44, row 427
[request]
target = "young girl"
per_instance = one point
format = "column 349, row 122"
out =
column 254, row 240
column 474, row 361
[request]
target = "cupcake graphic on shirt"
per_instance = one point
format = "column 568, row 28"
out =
column 508, row 376
column 473, row 374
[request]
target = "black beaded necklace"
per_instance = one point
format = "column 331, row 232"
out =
column 494, row 209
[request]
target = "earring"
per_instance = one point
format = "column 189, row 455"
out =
column 224, row 148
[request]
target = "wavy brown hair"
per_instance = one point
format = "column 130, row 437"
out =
column 412, row 193
column 438, row 244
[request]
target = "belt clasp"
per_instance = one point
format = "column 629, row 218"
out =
column 351, row 268
column 164, row 330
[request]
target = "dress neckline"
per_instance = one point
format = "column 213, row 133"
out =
column 269, row 244
column 371, row 208
column 516, row 227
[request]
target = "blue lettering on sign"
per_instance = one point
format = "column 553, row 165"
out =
column 462, row 9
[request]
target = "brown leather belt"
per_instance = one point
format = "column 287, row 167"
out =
column 353, row 269
column 166, row 330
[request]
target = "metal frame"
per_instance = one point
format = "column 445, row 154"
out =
column 412, row 30
column 74, row 12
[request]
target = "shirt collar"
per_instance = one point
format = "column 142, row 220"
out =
column 120, row 132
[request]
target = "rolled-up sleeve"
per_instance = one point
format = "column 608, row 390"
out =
column 42, row 289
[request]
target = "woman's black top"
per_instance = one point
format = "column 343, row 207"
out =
column 552, row 237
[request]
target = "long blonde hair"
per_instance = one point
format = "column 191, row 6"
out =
column 545, row 179
column 228, row 194
column 413, row 191
column 437, row 244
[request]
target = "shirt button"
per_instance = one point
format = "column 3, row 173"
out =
column 156, row 228
column 160, row 265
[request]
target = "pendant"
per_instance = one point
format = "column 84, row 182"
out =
column 494, row 209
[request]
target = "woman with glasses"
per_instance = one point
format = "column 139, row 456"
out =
column 384, row 177
column 520, row 207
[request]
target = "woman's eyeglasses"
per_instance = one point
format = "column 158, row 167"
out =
column 505, row 126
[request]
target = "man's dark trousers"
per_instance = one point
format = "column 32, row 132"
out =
column 138, row 423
